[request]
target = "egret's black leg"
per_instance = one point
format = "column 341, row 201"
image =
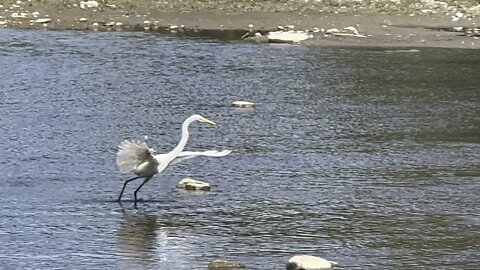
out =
column 139, row 187
column 125, row 185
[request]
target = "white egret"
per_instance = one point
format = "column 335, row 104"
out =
column 137, row 157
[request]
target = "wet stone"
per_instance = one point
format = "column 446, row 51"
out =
column 223, row 264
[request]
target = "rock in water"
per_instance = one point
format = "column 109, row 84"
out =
column 243, row 104
column 307, row 262
column 222, row 264
column 191, row 184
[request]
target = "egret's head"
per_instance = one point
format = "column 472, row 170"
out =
column 203, row 119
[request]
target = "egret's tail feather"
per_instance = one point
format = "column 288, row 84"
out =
column 131, row 154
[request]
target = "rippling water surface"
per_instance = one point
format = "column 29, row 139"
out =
column 368, row 157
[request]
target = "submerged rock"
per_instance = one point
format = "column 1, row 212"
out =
column 307, row 262
column 223, row 264
column 191, row 184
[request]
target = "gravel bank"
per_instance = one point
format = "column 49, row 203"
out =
column 404, row 23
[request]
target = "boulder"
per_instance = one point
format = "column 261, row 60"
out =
column 191, row 184
column 307, row 262
column 222, row 264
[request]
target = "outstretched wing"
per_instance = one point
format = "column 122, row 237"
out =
column 189, row 154
column 131, row 154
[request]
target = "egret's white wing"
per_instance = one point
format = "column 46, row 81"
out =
column 190, row 154
column 131, row 154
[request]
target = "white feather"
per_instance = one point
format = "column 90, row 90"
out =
column 132, row 154
column 190, row 154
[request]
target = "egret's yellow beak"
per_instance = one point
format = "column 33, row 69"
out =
column 208, row 121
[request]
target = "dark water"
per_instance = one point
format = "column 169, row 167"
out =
column 368, row 157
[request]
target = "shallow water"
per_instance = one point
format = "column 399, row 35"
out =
column 368, row 157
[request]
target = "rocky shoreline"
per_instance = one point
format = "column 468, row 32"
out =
column 392, row 23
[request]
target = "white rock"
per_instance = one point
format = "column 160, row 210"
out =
column 89, row 4
column 243, row 104
column 173, row 27
column 3, row 23
column 16, row 15
column 118, row 24
column 35, row 14
column 82, row 19
column 43, row 20
column 351, row 28
column 307, row 262
column 459, row 14
column 332, row 30
column 191, row 184
column 287, row 37
column 147, row 22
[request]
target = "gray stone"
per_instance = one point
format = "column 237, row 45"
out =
column 223, row 264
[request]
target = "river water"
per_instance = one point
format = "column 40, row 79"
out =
column 368, row 157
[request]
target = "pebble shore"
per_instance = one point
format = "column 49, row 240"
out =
column 390, row 23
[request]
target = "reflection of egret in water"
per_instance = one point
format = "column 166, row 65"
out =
column 147, row 242
column 136, row 239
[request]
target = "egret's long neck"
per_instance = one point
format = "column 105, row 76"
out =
column 183, row 141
